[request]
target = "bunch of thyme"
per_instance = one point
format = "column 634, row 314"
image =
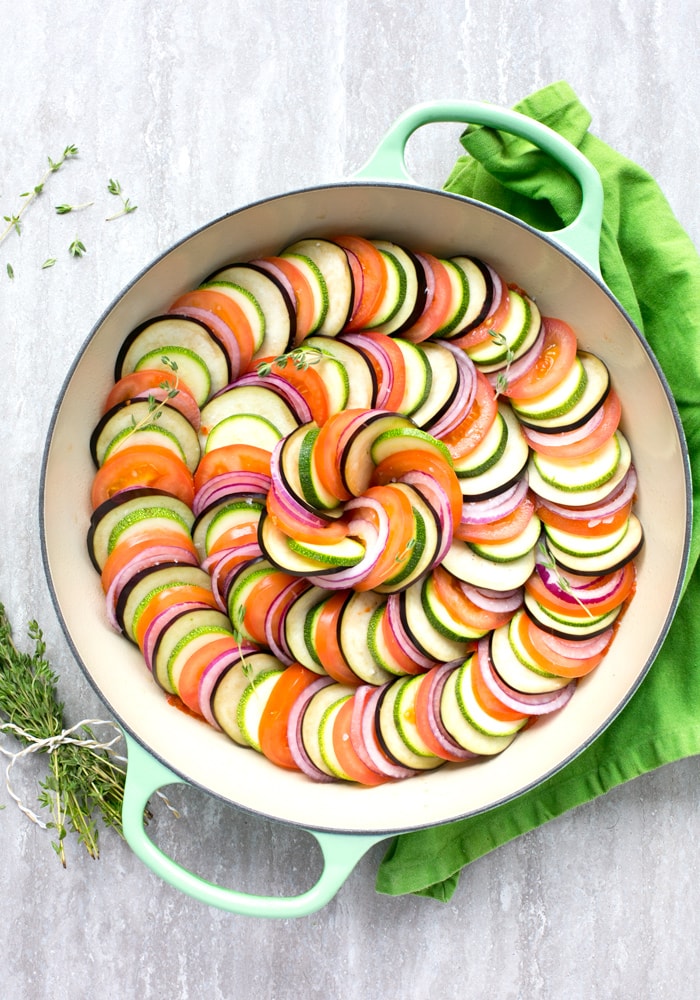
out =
column 85, row 780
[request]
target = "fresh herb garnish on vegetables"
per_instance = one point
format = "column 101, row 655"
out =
column 85, row 780
column 301, row 358
column 502, row 377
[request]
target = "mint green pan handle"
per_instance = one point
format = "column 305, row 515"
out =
column 145, row 775
column 581, row 237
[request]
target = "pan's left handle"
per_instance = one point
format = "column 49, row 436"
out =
column 582, row 236
column 341, row 852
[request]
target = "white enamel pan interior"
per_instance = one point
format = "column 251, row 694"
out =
column 561, row 272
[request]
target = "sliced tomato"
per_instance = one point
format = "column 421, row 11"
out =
column 236, row 536
column 304, row 302
column 259, row 600
column 310, row 384
column 374, row 278
column 569, row 445
column 437, row 309
column 550, row 661
column 227, row 310
column 584, row 528
column 143, row 465
column 462, row 609
column 329, row 531
column 487, row 700
column 423, row 698
column 397, row 362
column 501, row 530
column 196, row 664
column 551, row 602
column 141, row 383
column 231, row 458
column 272, row 732
column 327, row 645
column 485, row 331
column 134, row 545
column 554, row 361
column 401, row 533
column 401, row 463
column 478, row 421
column 184, row 594
column 326, row 449
column 345, row 752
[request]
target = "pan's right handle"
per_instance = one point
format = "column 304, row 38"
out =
column 581, row 237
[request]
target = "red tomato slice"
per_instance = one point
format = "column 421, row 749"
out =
column 555, row 360
column 561, row 446
column 227, row 310
column 303, row 295
column 374, row 278
column 536, row 588
column 461, row 608
column 332, row 530
column 272, row 732
column 467, row 435
column 142, row 382
column 325, row 452
column 143, row 465
column 129, row 548
column 196, row 664
column 309, row 383
column 258, row 602
column 239, row 534
column 345, row 752
column 437, row 310
column 327, row 646
column 402, row 660
column 502, row 530
column 492, row 324
column 576, row 526
column 396, row 466
column 231, row 458
column 401, row 527
column 553, row 663
column 492, row 705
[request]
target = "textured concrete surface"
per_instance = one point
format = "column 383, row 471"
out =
column 198, row 108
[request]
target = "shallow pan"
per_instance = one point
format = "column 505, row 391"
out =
column 560, row 271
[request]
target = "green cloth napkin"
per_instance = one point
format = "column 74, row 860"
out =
column 650, row 264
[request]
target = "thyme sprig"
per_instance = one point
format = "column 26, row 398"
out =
column 547, row 560
column 502, row 377
column 300, row 357
column 115, row 188
column 14, row 223
column 85, row 780
column 155, row 407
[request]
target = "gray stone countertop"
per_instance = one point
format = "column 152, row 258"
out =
column 199, row 108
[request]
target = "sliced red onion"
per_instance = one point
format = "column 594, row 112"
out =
column 565, row 437
column 541, row 703
column 521, row 365
column 436, row 679
column 220, row 569
column 228, row 484
column 278, row 273
column 294, row 726
column 572, row 649
column 275, row 618
column 211, row 674
column 374, row 348
column 279, row 384
column 153, row 556
column 286, row 498
column 374, row 538
column 495, row 507
column 367, row 746
column 393, row 613
column 221, row 330
column 466, row 395
column 579, row 589
column 501, row 602
column 181, row 401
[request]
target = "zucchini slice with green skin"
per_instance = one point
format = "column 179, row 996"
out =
column 442, row 620
column 135, row 596
column 571, row 403
column 172, row 331
column 461, row 729
column 222, row 515
column 177, row 642
column 316, row 282
column 361, row 380
column 479, row 296
column 133, row 509
column 138, row 417
column 429, row 640
column 356, row 460
column 404, row 298
column 497, row 475
column 353, row 627
column 419, row 376
column 518, row 332
column 247, row 399
column 584, row 494
column 230, row 688
column 297, row 624
column 445, row 384
column 247, row 303
column 317, row 726
column 598, row 563
column 396, row 729
column 467, row 565
column 568, row 628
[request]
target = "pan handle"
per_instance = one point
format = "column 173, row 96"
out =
column 341, row 852
column 581, row 237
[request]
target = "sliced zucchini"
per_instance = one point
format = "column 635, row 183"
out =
column 272, row 297
column 361, row 380
column 138, row 417
column 396, row 728
column 445, row 385
column 248, row 399
column 572, row 402
column 332, row 262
